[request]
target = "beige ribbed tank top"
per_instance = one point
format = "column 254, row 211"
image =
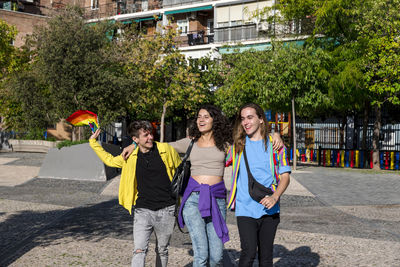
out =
column 204, row 160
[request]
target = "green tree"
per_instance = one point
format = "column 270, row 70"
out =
column 380, row 30
column 368, row 31
column 244, row 75
column 288, row 78
column 165, row 80
column 7, row 50
column 12, row 62
column 72, row 59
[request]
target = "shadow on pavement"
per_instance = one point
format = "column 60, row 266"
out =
column 301, row 256
column 23, row 231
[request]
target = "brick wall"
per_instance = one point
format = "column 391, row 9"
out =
column 24, row 23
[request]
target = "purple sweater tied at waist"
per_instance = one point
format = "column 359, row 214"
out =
column 207, row 205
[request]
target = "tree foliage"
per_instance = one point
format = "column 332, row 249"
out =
column 273, row 78
column 363, row 37
column 165, row 80
column 72, row 60
column 7, row 50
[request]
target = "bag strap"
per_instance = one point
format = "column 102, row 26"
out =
column 189, row 149
column 249, row 174
column 274, row 159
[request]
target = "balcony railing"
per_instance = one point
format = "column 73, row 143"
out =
column 193, row 38
column 262, row 30
column 235, row 33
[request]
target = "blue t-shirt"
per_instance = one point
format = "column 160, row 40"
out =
column 259, row 164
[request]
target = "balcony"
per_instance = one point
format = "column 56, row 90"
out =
column 235, row 33
column 262, row 30
column 194, row 38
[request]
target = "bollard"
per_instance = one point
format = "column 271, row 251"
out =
column 324, row 158
column 386, row 160
column 346, row 159
column 392, row 160
column 381, row 160
column 371, row 163
column 357, row 159
column 361, row 159
column 338, row 158
column 397, row 160
column 342, row 158
column 351, row 159
column 328, row 157
column 333, row 158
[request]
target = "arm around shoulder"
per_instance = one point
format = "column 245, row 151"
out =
column 176, row 159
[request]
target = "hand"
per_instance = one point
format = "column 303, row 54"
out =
column 277, row 142
column 96, row 134
column 269, row 201
column 127, row 151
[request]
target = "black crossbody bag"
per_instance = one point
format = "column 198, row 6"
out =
column 257, row 191
column 179, row 182
column 182, row 174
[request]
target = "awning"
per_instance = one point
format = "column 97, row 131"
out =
column 158, row 17
column 186, row 10
column 126, row 22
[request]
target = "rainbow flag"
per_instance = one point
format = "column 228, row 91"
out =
column 84, row 117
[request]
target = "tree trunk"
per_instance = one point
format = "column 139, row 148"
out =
column 80, row 133
column 342, row 124
column 364, row 133
column 294, row 136
column 375, row 140
column 162, row 126
column 73, row 134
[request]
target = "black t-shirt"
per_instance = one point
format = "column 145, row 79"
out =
column 153, row 183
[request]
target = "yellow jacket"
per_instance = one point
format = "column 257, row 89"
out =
column 128, row 185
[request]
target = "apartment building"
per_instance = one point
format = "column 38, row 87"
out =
column 207, row 27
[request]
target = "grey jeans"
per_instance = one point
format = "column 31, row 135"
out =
column 144, row 222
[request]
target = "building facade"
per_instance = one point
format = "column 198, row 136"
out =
column 208, row 27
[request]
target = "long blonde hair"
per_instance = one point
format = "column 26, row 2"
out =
column 239, row 135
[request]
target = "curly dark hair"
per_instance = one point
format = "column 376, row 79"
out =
column 221, row 128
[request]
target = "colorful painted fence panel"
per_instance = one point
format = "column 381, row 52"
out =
column 389, row 160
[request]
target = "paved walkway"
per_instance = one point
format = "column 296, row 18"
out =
column 330, row 217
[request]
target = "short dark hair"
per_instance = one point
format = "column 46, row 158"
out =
column 136, row 126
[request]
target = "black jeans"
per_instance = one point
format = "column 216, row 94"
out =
column 257, row 233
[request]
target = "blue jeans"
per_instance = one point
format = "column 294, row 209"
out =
column 207, row 247
column 144, row 222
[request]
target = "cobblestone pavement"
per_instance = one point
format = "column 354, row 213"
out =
column 330, row 217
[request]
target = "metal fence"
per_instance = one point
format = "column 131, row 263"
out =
column 326, row 135
column 4, row 137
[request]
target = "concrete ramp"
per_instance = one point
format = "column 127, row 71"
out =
column 78, row 162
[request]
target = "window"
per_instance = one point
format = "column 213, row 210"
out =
column 183, row 26
column 210, row 26
column 94, row 4
column 145, row 5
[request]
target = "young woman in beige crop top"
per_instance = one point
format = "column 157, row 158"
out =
column 213, row 134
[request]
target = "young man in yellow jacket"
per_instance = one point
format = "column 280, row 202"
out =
column 145, row 184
